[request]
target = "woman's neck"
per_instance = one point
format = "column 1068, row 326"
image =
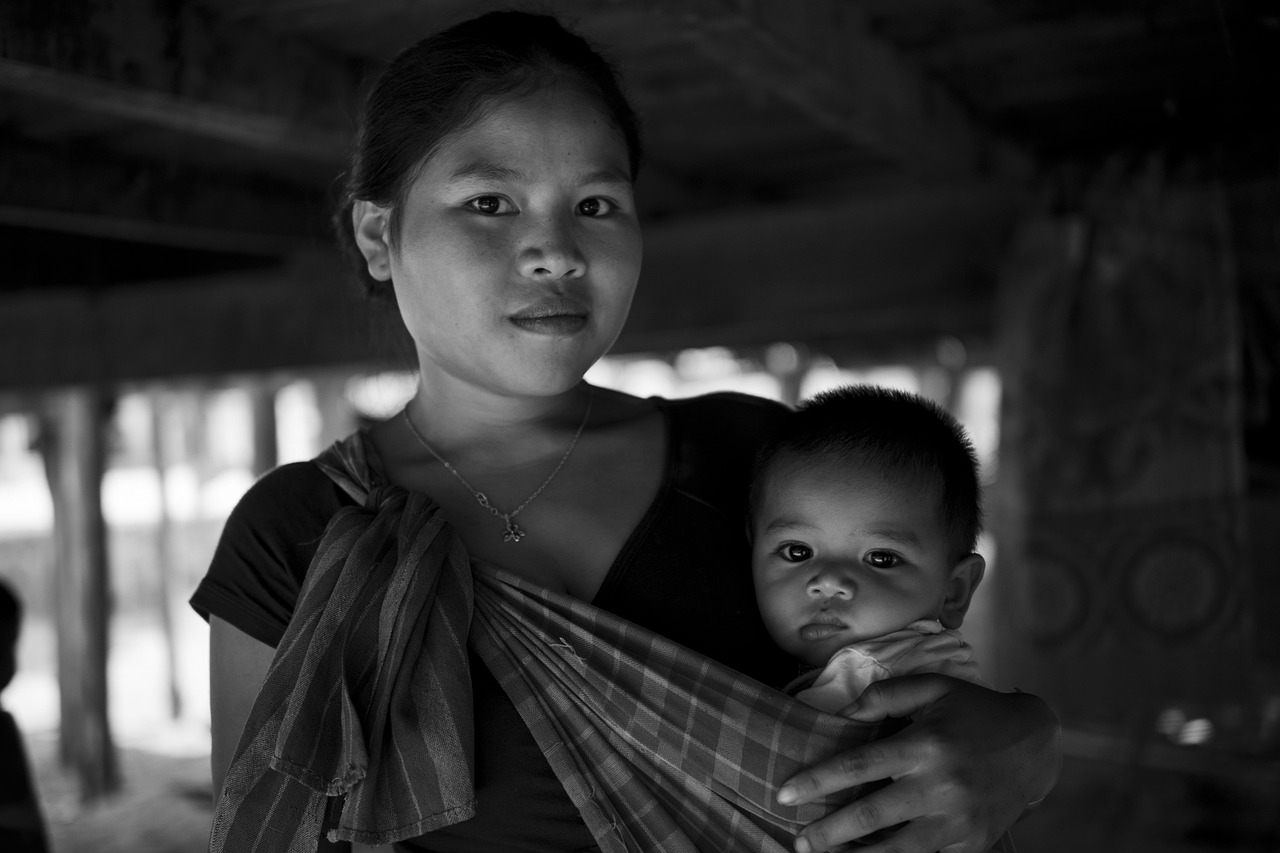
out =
column 494, row 429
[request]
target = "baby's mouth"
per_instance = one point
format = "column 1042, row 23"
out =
column 821, row 626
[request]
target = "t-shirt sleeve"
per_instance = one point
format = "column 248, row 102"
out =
column 266, row 546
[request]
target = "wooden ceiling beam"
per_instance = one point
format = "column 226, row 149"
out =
column 821, row 58
column 905, row 267
column 299, row 315
column 176, row 67
column 95, row 194
column 907, row 264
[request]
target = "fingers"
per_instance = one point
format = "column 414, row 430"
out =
column 883, row 822
column 870, row 762
column 900, row 697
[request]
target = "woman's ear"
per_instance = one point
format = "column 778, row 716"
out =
column 965, row 577
column 370, row 224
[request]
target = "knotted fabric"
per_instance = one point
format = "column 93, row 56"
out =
column 363, row 726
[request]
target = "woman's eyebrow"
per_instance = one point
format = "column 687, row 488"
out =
column 486, row 171
column 605, row 176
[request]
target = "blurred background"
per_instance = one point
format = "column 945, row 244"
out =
column 1061, row 220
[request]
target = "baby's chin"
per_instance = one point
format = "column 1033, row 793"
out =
column 818, row 653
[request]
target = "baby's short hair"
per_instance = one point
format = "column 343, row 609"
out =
column 894, row 432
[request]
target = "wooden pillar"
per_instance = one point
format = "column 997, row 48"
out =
column 75, row 461
column 266, row 449
column 1119, row 509
column 789, row 364
column 337, row 418
column 166, row 554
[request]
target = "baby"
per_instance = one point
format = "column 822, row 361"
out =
column 865, row 511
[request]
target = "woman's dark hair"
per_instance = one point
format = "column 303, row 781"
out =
column 437, row 86
column 898, row 434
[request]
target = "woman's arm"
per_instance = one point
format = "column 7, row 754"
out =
column 237, row 667
column 963, row 771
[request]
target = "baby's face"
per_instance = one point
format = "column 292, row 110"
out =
column 841, row 554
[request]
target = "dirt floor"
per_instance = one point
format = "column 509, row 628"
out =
column 164, row 805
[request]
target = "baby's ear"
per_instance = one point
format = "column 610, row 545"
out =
column 965, row 577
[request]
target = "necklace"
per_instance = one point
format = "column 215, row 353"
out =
column 514, row 532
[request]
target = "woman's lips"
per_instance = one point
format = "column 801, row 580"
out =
column 552, row 324
column 552, row 317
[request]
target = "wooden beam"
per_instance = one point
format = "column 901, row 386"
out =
column 910, row 264
column 178, row 67
column 293, row 316
column 71, row 190
column 822, row 59
column 277, row 135
column 906, row 266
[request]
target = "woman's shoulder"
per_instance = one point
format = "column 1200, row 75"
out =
column 728, row 416
column 731, row 402
column 290, row 504
column 266, row 545
column 293, row 484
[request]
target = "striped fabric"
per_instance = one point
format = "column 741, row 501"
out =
column 363, row 725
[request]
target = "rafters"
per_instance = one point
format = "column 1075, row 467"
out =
column 821, row 58
column 172, row 66
column 73, row 191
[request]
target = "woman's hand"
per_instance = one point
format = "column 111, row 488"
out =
column 963, row 771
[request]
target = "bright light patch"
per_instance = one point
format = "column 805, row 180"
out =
column 1195, row 732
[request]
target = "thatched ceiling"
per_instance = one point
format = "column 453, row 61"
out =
column 209, row 133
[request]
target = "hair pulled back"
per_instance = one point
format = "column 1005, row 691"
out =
column 438, row 85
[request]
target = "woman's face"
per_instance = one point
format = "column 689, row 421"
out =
column 519, row 246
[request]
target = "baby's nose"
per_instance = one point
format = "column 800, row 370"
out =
column 831, row 583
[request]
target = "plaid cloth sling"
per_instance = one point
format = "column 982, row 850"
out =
column 363, row 725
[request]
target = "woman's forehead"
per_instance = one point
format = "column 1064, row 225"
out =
column 561, row 126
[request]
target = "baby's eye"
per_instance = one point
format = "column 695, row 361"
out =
column 794, row 552
column 883, row 559
column 490, row 205
column 596, row 206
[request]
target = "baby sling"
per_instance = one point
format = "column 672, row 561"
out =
column 363, row 726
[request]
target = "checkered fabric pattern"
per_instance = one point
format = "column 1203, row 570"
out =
column 660, row 748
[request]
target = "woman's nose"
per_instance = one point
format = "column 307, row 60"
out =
column 551, row 253
column 831, row 582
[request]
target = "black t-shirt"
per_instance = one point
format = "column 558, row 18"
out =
column 684, row 573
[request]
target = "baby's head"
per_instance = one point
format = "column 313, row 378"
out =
column 865, row 512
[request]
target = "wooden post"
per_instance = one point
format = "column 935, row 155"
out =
column 166, row 560
column 789, row 364
column 75, row 460
column 337, row 419
column 266, row 452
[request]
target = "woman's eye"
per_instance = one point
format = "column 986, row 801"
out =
column 595, row 207
column 883, row 559
column 489, row 205
column 794, row 552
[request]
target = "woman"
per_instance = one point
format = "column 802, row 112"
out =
column 490, row 195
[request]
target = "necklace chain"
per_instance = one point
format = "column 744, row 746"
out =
column 514, row 532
